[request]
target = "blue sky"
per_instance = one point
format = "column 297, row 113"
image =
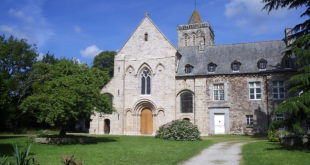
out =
column 82, row 28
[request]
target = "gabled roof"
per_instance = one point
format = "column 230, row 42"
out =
column 248, row 54
column 146, row 18
column 195, row 18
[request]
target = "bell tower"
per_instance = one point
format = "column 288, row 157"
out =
column 195, row 33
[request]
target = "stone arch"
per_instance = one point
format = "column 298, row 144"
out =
column 130, row 70
column 145, row 110
column 128, row 121
column 142, row 66
column 144, row 103
column 160, row 67
column 160, row 117
column 107, row 126
column 180, row 104
column 186, row 117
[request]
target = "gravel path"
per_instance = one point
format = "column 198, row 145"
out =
column 219, row 154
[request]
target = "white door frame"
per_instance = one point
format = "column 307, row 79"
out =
column 218, row 110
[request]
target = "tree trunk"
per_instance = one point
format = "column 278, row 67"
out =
column 63, row 130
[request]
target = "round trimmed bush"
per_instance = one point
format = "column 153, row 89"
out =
column 178, row 130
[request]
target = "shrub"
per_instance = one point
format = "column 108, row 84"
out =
column 178, row 130
column 275, row 135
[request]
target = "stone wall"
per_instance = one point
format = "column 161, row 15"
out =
column 236, row 101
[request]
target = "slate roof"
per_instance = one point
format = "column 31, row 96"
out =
column 195, row 18
column 248, row 54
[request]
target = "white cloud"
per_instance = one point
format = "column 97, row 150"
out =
column 40, row 57
column 29, row 23
column 11, row 30
column 249, row 15
column 90, row 51
column 77, row 29
column 21, row 15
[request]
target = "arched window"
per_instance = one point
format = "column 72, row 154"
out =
column 186, row 40
column 211, row 67
column 188, row 68
column 186, row 102
column 235, row 66
column 262, row 64
column 146, row 82
column 146, row 37
column 194, row 40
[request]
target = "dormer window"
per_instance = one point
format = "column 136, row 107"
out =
column 262, row 64
column 146, row 37
column 235, row 66
column 211, row 67
column 287, row 62
column 188, row 69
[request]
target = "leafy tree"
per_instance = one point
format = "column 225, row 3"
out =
column 49, row 58
column 298, row 106
column 66, row 91
column 105, row 62
column 16, row 60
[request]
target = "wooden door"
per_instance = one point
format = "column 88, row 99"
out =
column 146, row 122
column 219, row 123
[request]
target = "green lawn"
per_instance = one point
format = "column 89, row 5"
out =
column 272, row 153
column 112, row 150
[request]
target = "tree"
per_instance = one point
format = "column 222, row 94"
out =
column 298, row 106
column 105, row 62
column 16, row 60
column 300, row 29
column 66, row 91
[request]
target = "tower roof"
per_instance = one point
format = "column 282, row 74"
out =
column 195, row 18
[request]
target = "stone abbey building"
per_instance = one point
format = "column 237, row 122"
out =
column 223, row 89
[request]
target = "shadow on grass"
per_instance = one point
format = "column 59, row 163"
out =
column 6, row 150
column 9, row 137
column 277, row 146
column 72, row 140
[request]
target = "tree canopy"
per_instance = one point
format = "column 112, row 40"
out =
column 66, row 91
column 105, row 62
column 16, row 60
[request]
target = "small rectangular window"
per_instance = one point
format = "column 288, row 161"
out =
column 255, row 90
column 249, row 120
column 218, row 92
column 278, row 91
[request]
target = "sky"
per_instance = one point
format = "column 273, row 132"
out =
column 83, row 28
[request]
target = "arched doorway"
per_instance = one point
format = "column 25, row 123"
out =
column 106, row 126
column 146, row 122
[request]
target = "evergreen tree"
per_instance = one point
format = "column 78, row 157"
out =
column 298, row 106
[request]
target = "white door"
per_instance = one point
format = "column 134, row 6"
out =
column 219, row 123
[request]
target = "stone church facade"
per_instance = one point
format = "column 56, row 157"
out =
column 223, row 89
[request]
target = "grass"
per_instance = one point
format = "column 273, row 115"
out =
column 111, row 150
column 272, row 153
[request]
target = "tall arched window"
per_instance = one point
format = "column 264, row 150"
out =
column 186, row 102
column 194, row 40
column 146, row 82
column 186, row 40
